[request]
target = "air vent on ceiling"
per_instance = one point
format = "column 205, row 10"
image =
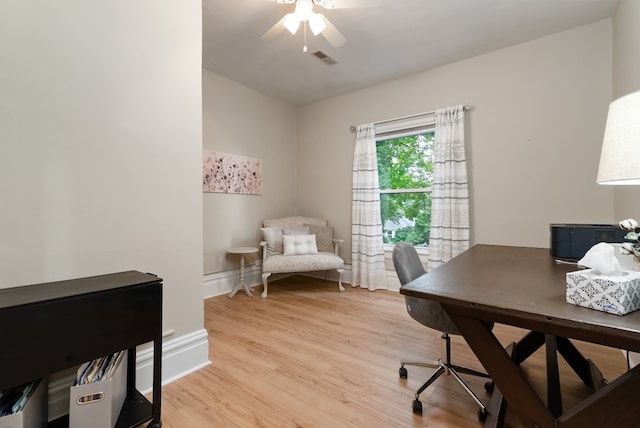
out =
column 324, row 58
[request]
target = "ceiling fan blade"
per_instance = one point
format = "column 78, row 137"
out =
column 332, row 34
column 274, row 31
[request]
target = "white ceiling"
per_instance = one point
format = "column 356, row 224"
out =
column 385, row 41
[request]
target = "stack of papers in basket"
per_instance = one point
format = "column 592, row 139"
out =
column 99, row 369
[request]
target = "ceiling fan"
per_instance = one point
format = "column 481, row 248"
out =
column 304, row 14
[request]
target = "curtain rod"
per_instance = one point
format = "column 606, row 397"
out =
column 353, row 128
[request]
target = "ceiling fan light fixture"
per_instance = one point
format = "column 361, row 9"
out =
column 327, row 4
column 304, row 10
column 291, row 23
column 317, row 24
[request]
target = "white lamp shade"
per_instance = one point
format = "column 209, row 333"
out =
column 327, row 4
column 620, row 156
column 304, row 9
column 291, row 23
column 317, row 24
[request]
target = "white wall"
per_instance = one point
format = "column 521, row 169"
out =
column 626, row 79
column 241, row 121
column 100, row 145
column 533, row 135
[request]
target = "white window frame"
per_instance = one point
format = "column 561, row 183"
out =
column 398, row 128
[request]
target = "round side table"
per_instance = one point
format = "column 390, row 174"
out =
column 242, row 251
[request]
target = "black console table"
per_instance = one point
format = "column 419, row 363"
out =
column 50, row 327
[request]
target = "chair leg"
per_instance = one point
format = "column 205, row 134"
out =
column 440, row 371
column 340, row 272
column 454, row 369
column 403, row 371
column 464, row 385
column 444, row 366
column 469, row 371
column 264, row 284
column 430, row 364
column 417, row 405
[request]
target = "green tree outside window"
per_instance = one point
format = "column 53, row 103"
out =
column 405, row 171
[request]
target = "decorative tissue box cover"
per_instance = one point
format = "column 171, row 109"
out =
column 619, row 294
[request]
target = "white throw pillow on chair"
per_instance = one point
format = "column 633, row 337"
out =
column 299, row 244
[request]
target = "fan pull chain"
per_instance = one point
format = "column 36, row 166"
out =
column 304, row 49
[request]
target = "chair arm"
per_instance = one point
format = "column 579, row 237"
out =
column 263, row 244
column 336, row 245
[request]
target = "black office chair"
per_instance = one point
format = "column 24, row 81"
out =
column 431, row 314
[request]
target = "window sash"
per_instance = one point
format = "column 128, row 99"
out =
column 390, row 131
column 416, row 124
column 416, row 190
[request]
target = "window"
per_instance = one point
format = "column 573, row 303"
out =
column 405, row 172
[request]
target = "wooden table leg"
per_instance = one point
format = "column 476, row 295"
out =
column 497, row 409
column 554, row 395
column 506, row 374
column 615, row 405
column 612, row 405
column 518, row 352
column 574, row 358
column 526, row 346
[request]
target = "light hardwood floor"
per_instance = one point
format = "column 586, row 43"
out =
column 310, row 356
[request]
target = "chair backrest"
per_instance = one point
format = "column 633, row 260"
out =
column 407, row 262
column 294, row 221
column 408, row 267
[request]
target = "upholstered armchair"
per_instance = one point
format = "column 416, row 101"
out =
column 299, row 244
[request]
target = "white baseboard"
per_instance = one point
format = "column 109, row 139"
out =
column 59, row 385
column 180, row 356
column 393, row 283
column 219, row 283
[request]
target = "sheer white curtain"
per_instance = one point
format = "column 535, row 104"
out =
column 449, row 188
column 367, row 253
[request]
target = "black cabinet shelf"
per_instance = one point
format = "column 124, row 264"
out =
column 63, row 324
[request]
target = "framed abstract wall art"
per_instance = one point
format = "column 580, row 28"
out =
column 228, row 173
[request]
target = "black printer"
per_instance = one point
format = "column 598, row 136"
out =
column 572, row 241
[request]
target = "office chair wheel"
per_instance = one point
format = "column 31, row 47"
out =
column 403, row 373
column 489, row 386
column 482, row 415
column 417, row 407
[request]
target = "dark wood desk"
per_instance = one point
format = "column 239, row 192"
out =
column 50, row 327
column 524, row 287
